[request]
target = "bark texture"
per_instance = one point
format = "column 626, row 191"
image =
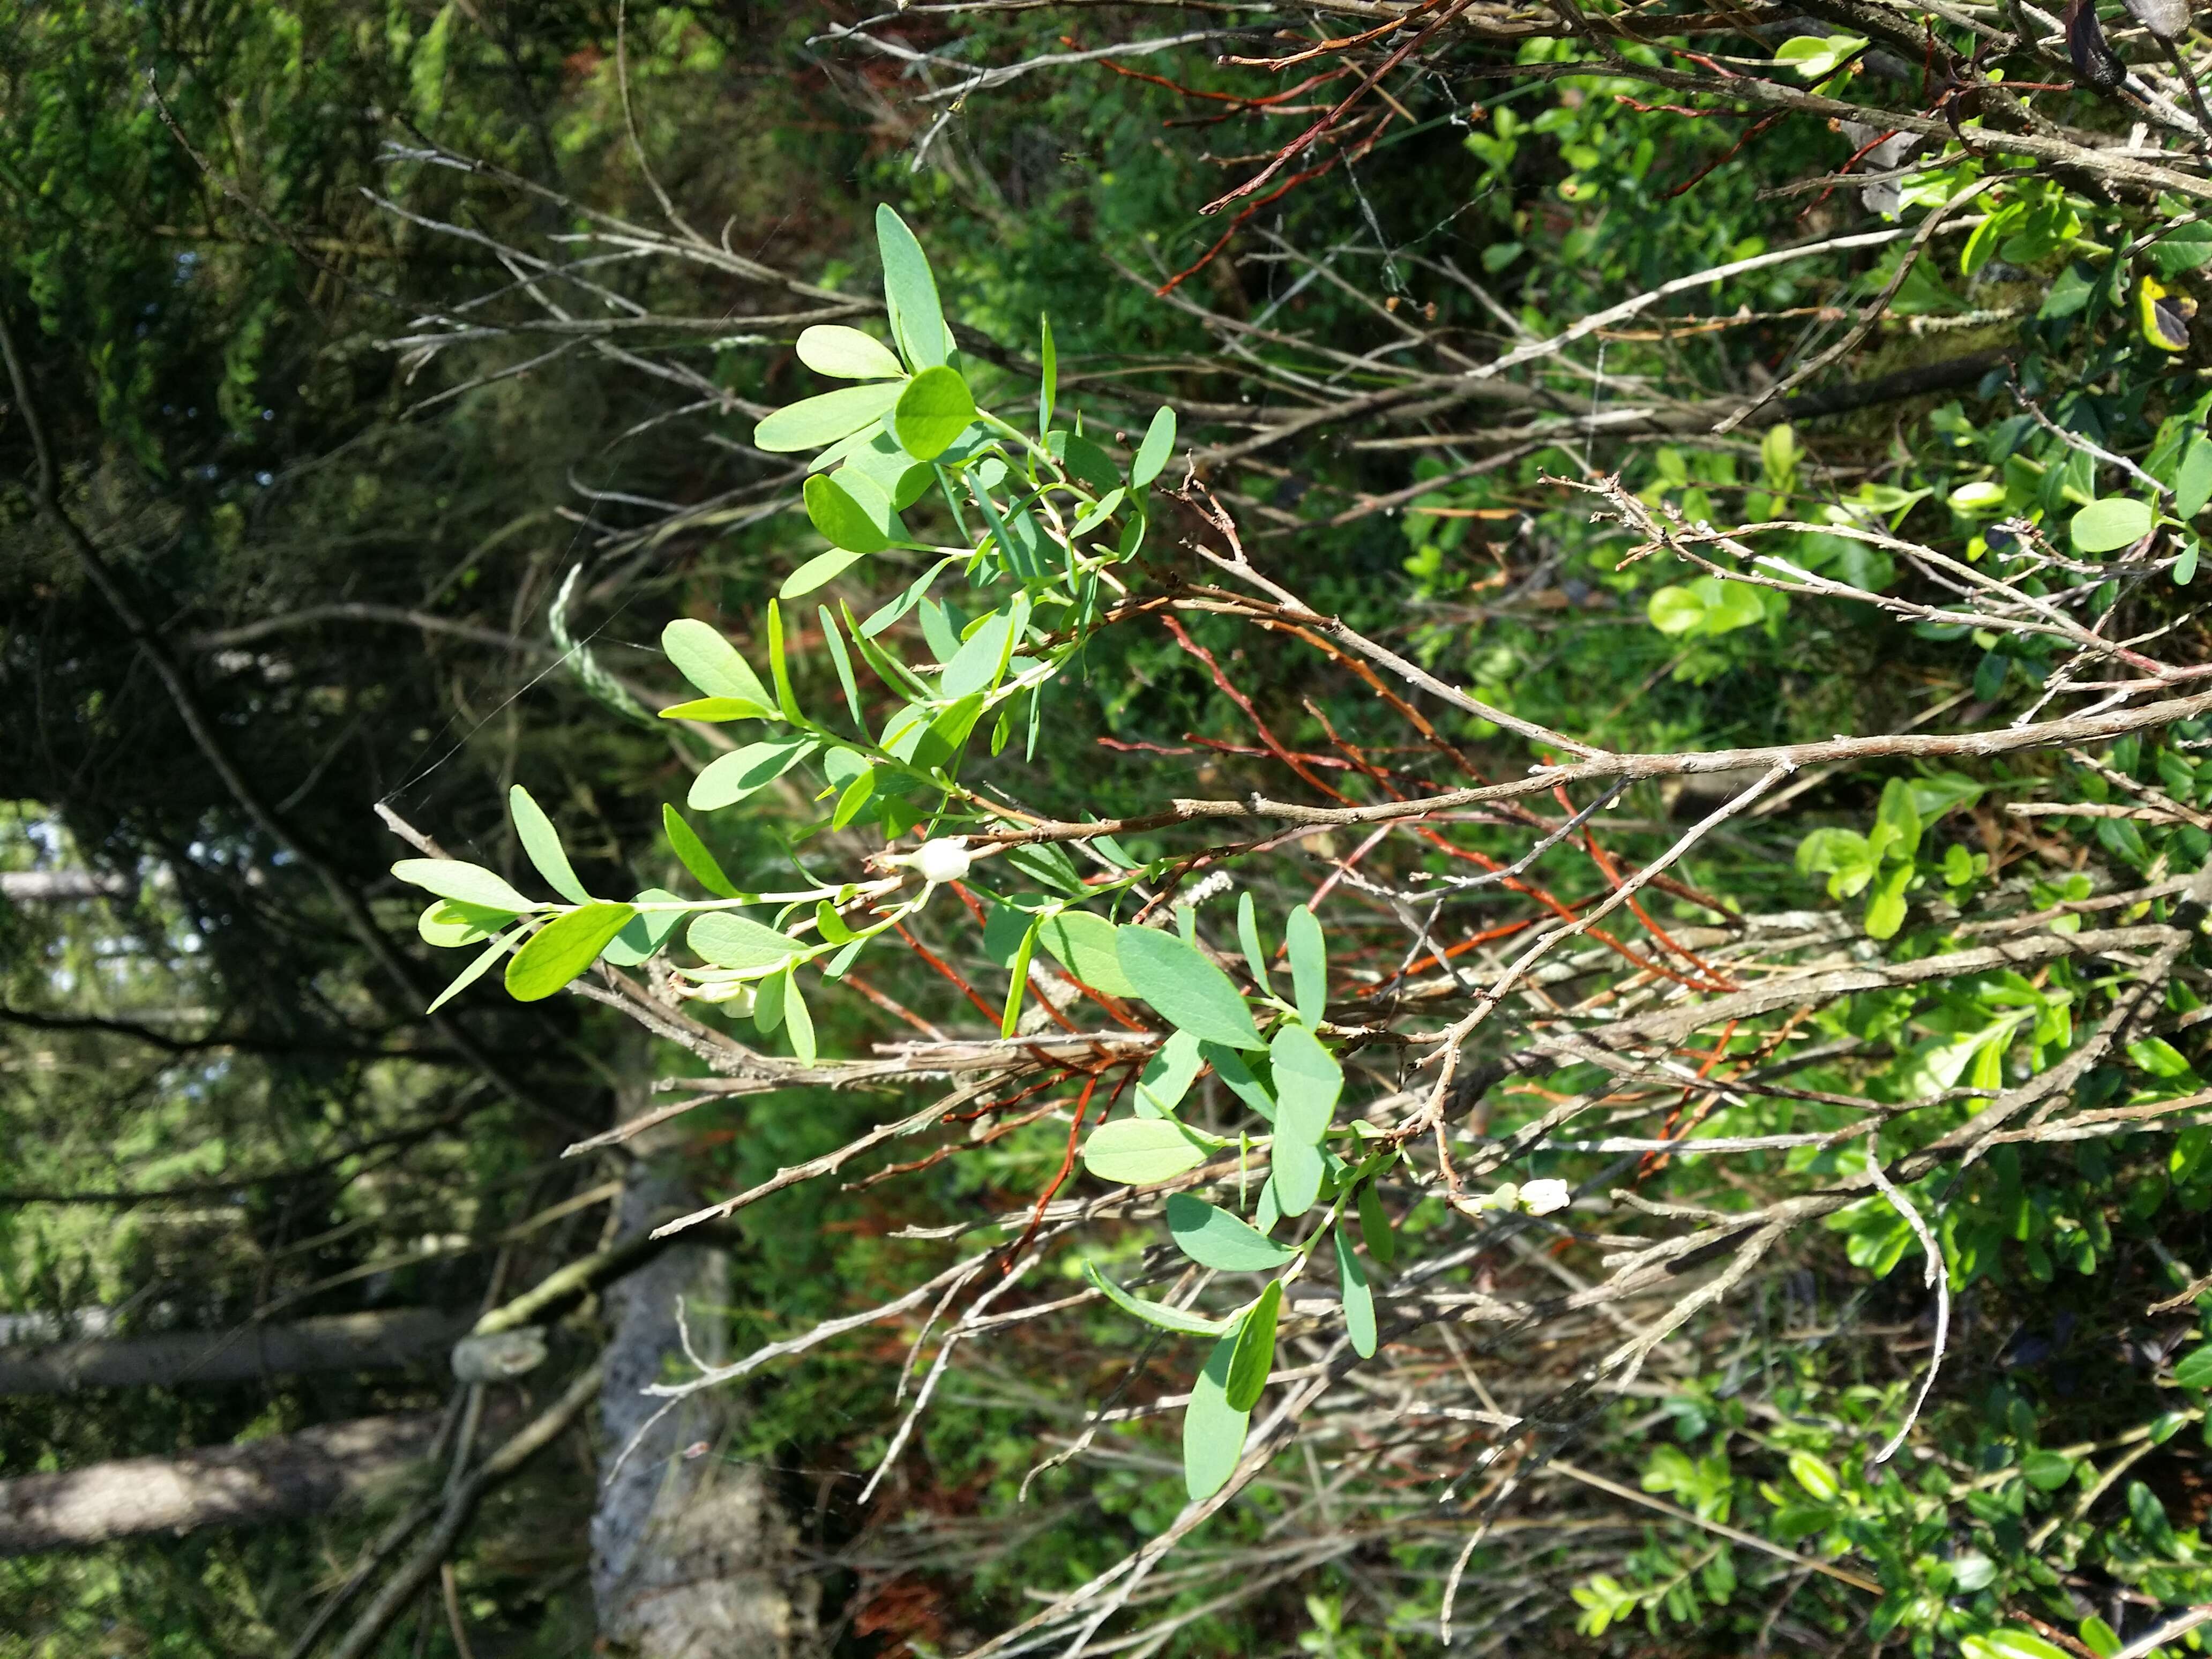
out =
column 341, row 1342
column 280, row 1479
column 692, row 1557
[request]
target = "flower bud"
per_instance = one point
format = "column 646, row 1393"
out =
column 1543, row 1197
column 941, row 860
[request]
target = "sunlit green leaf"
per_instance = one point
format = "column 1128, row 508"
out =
column 1212, row 1237
column 542, row 843
column 470, row 883
column 1189, row 991
column 563, row 948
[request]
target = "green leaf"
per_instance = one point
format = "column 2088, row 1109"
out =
column 1212, row 1429
column 710, row 662
column 841, row 661
column 1674, row 609
column 2099, row 1636
column 2194, row 1369
column 1212, row 1237
column 2010, row 1645
column 1084, row 943
column 449, row 924
column 691, row 853
column 563, row 948
column 1189, row 991
column 1048, row 384
column 1020, row 982
column 843, row 519
column 2047, row 1471
column 846, row 354
column 470, row 974
column 2115, row 522
column 982, row 656
column 1359, row 1298
column 910, row 292
column 821, row 568
column 1375, row 1231
column 798, row 1021
column 1308, row 966
column 934, row 409
column 470, row 884
column 1152, row 454
column 813, row 421
column 648, row 931
column 1296, row 1177
column 730, row 779
column 768, row 1002
column 1815, row 1476
column 738, row 942
column 1248, row 939
column 1136, row 1152
column 779, row 671
column 719, row 711
column 1308, row 1081
column 1886, row 908
column 1169, row 1076
column 2159, row 1058
column 542, row 843
column 1814, row 56
column 1152, row 1313
column 1254, row 1357
column 2193, row 482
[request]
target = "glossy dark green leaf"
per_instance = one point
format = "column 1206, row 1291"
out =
column 1189, row 991
column 542, row 842
column 1359, row 1298
column 1254, row 1357
column 1212, row 1429
column 1212, row 1237
column 562, row 949
column 470, row 883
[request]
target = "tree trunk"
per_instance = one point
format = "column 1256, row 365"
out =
column 692, row 1557
column 280, row 1479
column 341, row 1342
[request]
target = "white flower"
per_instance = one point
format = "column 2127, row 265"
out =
column 1542, row 1197
column 941, row 860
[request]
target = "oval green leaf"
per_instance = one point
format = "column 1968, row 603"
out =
column 710, row 662
column 814, row 422
column 1212, row 1429
column 718, row 711
column 2115, row 522
column 1253, row 1356
column 1084, row 943
column 1136, row 1152
column 1152, row 454
column 1212, row 1237
column 1189, row 991
column 2194, row 1369
column 648, row 931
column 449, row 924
column 846, row 354
column 729, row 780
column 470, row 883
column 910, row 293
column 935, row 408
column 841, row 518
column 1308, row 1081
column 1375, row 1231
column 1295, row 1179
column 821, row 568
column 562, row 949
column 738, row 942
column 541, row 842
